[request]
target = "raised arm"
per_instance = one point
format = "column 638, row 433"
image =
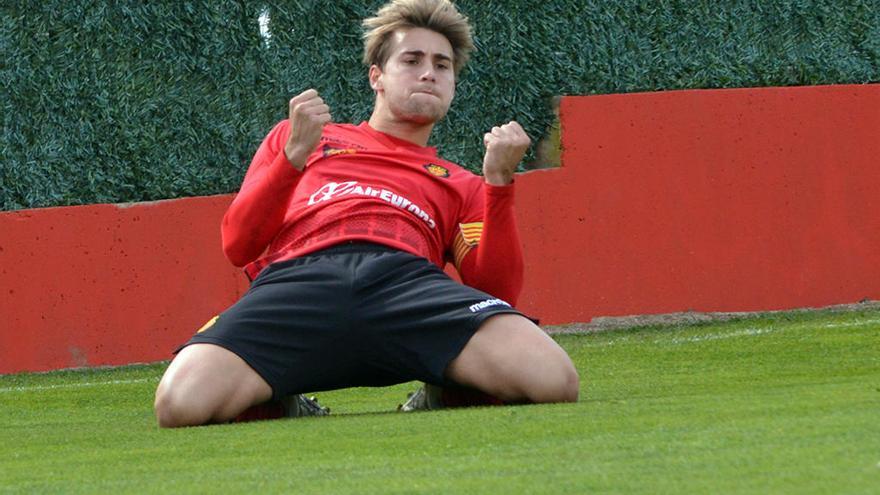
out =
column 488, row 254
column 257, row 213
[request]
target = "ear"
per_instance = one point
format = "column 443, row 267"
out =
column 375, row 77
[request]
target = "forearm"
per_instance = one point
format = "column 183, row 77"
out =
column 496, row 265
column 257, row 213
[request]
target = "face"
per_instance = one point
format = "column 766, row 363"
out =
column 418, row 82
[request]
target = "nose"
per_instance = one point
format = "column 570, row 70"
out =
column 428, row 74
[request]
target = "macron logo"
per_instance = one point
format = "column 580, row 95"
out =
column 486, row 304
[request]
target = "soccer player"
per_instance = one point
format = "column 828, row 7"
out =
column 343, row 230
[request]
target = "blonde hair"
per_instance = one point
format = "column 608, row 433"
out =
column 440, row 16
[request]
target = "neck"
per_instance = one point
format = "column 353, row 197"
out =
column 413, row 132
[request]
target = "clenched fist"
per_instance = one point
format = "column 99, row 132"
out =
column 308, row 114
column 505, row 147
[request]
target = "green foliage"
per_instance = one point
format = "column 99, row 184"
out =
column 779, row 404
column 133, row 101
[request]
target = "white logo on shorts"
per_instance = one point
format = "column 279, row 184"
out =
column 487, row 304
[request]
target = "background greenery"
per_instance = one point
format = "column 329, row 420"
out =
column 133, row 101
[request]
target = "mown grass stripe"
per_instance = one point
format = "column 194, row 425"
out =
column 73, row 385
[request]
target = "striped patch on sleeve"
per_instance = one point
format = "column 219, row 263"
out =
column 209, row 324
column 467, row 238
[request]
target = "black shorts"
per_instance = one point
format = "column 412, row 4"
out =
column 352, row 315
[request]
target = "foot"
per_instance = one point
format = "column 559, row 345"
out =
column 423, row 399
column 299, row 405
column 433, row 397
column 292, row 406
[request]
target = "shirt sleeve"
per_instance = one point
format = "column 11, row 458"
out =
column 486, row 249
column 256, row 215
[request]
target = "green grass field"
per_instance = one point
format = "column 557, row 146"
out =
column 788, row 403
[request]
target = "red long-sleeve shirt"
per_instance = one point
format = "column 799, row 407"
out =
column 362, row 184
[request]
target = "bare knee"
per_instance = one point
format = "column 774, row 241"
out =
column 567, row 384
column 174, row 410
column 206, row 384
column 560, row 383
column 513, row 359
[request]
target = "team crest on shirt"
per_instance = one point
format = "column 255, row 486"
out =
column 329, row 150
column 437, row 170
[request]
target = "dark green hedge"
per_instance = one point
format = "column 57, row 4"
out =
column 131, row 101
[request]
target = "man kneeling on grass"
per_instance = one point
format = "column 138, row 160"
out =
column 343, row 229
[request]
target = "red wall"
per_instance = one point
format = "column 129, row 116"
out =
column 723, row 200
column 109, row 284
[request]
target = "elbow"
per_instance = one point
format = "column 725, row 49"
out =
column 515, row 283
column 239, row 252
column 235, row 249
column 235, row 256
column 515, row 288
column 507, row 287
column 244, row 242
column 511, row 296
column 502, row 280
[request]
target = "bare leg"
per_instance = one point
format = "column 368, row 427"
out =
column 511, row 358
column 206, row 383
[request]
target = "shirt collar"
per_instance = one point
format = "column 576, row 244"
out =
column 394, row 142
